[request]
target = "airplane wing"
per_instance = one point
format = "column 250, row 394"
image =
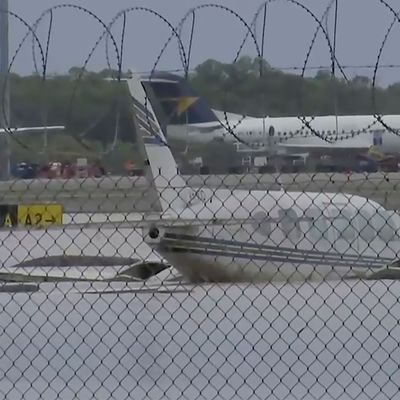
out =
column 195, row 129
column 28, row 275
column 57, row 269
column 323, row 145
column 33, row 129
column 86, row 274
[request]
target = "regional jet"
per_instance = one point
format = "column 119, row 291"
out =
column 187, row 116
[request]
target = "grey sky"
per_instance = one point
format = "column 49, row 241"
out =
column 361, row 29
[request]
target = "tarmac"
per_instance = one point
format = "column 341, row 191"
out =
column 133, row 194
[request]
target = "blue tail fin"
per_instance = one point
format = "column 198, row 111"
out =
column 178, row 102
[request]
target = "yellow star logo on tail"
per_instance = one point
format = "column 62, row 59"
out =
column 182, row 103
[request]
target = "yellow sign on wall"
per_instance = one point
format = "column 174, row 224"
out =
column 40, row 214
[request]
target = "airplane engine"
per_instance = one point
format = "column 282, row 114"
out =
column 153, row 235
column 144, row 270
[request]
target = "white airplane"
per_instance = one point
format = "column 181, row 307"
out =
column 188, row 117
column 221, row 235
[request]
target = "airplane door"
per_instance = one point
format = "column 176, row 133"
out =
column 344, row 229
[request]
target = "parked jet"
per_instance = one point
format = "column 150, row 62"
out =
column 188, row 117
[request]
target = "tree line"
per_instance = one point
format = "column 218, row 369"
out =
column 97, row 110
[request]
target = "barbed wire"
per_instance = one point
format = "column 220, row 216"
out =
column 185, row 53
column 72, row 328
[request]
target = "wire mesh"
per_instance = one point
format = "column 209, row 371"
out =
column 277, row 281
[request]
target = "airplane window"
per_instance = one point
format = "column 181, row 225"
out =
column 290, row 224
column 271, row 131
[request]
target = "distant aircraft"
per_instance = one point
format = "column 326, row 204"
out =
column 187, row 116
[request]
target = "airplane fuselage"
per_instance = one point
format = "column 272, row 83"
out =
column 358, row 131
column 259, row 236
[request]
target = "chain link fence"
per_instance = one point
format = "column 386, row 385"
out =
column 290, row 301
column 177, row 285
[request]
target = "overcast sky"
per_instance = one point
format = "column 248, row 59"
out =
column 362, row 25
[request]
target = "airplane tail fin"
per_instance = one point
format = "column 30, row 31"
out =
column 171, row 188
column 178, row 104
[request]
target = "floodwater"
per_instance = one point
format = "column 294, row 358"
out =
column 336, row 339
column 289, row 341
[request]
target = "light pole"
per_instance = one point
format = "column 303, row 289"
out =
column 5, row 93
